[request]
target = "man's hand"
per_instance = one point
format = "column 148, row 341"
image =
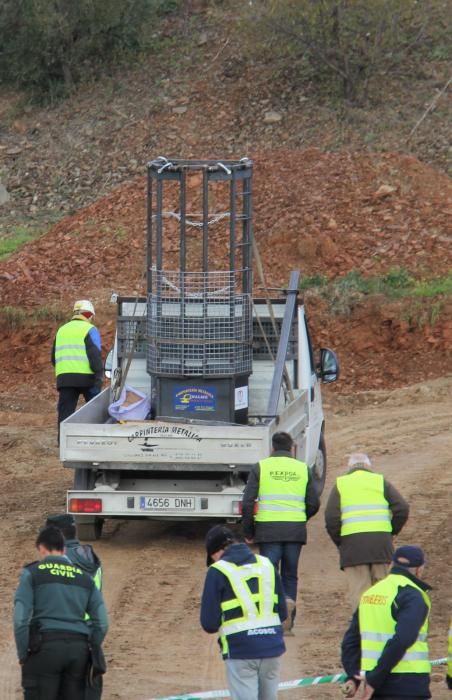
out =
column 349, row 688
column 368, row 691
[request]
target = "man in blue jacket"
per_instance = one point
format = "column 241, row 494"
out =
column 386, row 644
column 77, row 359
column 243, row 600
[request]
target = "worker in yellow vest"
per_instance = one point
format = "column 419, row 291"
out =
column 244, row 602
column 279, row 499
column 76, row 356
column 449, row 658
column 363, row 513
column 385, row 649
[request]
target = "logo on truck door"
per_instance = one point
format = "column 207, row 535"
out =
column 194, row 399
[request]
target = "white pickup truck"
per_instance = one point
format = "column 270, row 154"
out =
column 191, row 468
column 221, row 370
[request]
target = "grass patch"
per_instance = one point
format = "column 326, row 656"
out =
column 18, row 237
column 12, row 238
column 14, row 317
column 345, row 293
column 313, row 281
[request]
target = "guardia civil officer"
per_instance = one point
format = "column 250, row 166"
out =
column 76, row 356
column 243, row 600
column 386, row 648
column 52, row 636
column 83, row 556
column 286, row 499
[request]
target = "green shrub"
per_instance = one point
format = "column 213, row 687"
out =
column 48, row 45
column 344, row 43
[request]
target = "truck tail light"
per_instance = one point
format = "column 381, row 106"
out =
column 85, row 505
column 237, row 507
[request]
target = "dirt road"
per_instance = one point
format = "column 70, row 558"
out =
column 154, row 571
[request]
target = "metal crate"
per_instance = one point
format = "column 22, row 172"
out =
column 131, row 336
column 198, row 326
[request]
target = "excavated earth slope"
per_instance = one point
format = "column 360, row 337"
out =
column 322, row 213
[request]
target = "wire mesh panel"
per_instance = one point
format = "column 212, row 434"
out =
column 261, row 344
column 198, row 325
column 131, row 336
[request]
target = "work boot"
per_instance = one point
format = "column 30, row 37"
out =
column 288, row 622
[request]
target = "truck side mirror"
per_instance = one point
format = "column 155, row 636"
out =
column 108, row 364
column 328, row 368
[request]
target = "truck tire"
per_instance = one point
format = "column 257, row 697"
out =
column 319, row 469
column 90, row 531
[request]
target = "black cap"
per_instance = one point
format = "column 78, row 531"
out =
column 218, row 537
column 60, row 520
column 410, row 556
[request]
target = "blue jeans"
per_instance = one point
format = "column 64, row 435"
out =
column 287, row 555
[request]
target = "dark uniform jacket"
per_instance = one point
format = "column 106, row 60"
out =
column 54, row 595
column 254, row 644
column 409, row 610
column 83, row 556
column 275, row 531
column 365, row 547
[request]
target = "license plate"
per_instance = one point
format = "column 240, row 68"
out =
column 167, row 503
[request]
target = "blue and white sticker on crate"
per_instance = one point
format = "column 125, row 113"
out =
column 193, row 399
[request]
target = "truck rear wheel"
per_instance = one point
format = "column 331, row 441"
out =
column 91, row 530
column 319, row 468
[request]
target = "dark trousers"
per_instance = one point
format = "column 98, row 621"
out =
column 57, row 671
column 284, row 557
column 68, row 398
column 94, row 693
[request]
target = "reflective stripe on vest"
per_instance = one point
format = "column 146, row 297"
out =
column 282, row 490
column 70, row 349
column 257, row 609
column 364, row 507
column 97, row 578
column 377, row 627
column 449, row 655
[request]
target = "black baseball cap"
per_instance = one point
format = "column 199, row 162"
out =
column 409, row 555
column 218, row 537
column 60, row 520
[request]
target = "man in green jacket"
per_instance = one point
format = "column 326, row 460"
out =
column 83, row 556
column 52, row 636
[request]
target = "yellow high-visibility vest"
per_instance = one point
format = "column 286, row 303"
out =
column 254, row 610
column 282, row 490
column 70, row 348
column 377, row 626
column 364, row 507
